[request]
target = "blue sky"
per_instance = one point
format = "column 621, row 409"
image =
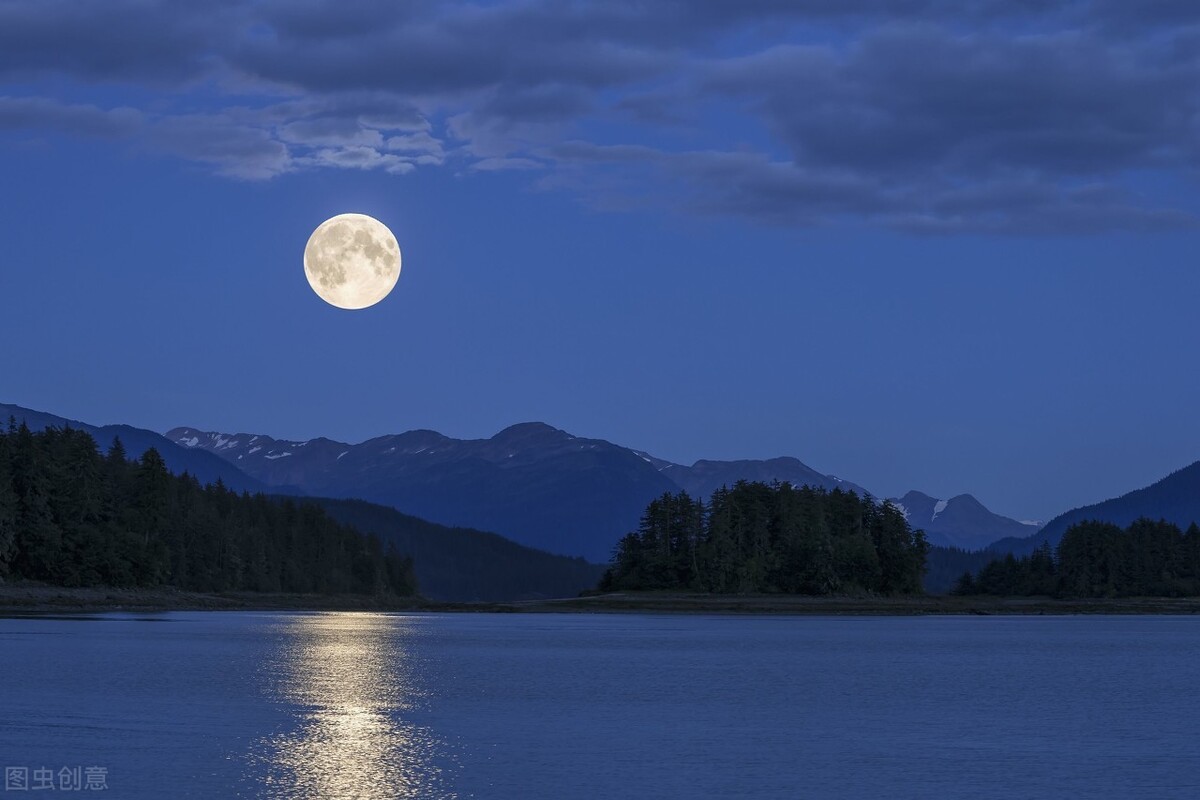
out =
column 919, row 244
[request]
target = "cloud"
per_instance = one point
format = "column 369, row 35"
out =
column 906, row 99
column 235, row 150
column 254, row 145
column 502, row 164
column 44, row 114
column 1022, row 116
column 423, row 148
column 783, row 193
column 358, row 157
column 155, row 42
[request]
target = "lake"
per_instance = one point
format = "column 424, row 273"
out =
column 527, row 706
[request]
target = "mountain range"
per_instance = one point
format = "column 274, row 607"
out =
column 1175, row 498
column 962, row 522
column 551, row 491
column 453, row 564
column 542, row 486
column 206, row 467
column 531, row 483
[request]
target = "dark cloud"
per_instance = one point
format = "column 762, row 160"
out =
column 148, row 41
column 915, row 99
column 1122, row 14
column 317, row 20
column 925, row 108
column 993, row 115
column 42, row 114
column 925, row 98
column 430, row 58
column 547, row 103
column 786, row 194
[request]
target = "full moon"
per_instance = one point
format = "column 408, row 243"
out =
column 352, row 261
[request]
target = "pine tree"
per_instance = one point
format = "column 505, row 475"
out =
column 70, row 516
column 8, row 510
column 965, row 584
column 770, row 538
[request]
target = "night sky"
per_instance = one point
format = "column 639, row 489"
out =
column 949, row 246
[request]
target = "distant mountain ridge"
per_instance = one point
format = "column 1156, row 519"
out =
column 592, row 480
column 531, row 482
column 704, row 477
column 962, row 521
column 450, row 563
column 1175, row 498
column 205, row 467
column 534, row 483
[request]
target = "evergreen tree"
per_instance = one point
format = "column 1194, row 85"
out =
column 775, row 538
column 965, row 584
column 8, row 510
column 70, row 516
column 1099, row 559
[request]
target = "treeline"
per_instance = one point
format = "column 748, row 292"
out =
column 773, row 538
column 73, row 517
column 1099, row 559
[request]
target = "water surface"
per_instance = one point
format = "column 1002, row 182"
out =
column 346, row 705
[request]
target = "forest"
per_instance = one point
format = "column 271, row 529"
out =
column 70, row 516
column 1099, row 559
column 770, row 538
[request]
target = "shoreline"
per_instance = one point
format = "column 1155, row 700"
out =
column 37, row 599
column 926, row 605
column 34, row 600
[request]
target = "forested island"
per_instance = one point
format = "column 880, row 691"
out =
column 1096, row 560
column 770, row 538
column 70, row 516
column 776, row 539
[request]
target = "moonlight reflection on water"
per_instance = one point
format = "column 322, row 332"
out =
column 552, row 706
column 349, row 682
